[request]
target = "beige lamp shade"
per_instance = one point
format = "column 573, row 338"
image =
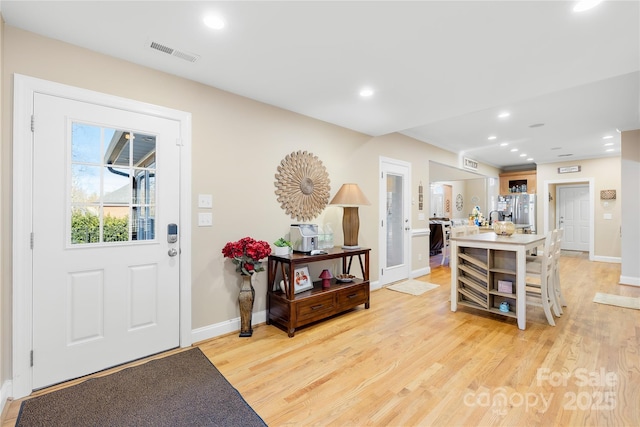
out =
column 350, row 197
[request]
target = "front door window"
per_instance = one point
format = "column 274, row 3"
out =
column 113, row 191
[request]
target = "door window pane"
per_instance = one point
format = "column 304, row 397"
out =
column 112, row 188
column 85, row 225
column 395, row 220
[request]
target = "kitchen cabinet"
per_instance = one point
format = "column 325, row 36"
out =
column 290, row 310
column 510, row 181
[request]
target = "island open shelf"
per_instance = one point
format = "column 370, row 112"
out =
column 487, row 270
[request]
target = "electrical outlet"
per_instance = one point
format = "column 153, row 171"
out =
column 419, row 257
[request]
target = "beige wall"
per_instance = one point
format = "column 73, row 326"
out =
column 630, row 200
column 237, row 145
column 606, row 176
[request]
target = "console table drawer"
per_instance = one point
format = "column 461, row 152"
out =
column 353, row 296
column 316, row 307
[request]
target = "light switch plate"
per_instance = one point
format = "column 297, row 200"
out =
column 205, row 219
column 420, row 217
column 205, row 201
column 608, row 216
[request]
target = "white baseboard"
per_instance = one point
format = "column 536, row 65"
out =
column 420, row 272
column 5, row 393
column 233, row 325
column 223, row 328
column 609, row 259
column 627, row 280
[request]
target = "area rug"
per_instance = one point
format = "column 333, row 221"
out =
column 617, row 300
column 413, row 287
column 184, row 389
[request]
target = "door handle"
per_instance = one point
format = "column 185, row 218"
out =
column 173, row 252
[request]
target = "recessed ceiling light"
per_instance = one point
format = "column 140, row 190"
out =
column 504, row 144
column 513, row 150
column 523, row 155
column 492, row 137
column 609, row 150
column 530, row 159
column 503, row 115
column 214, row 22
column 607, row 137
column 366, row 92
column 583, row 5
column 608, row 144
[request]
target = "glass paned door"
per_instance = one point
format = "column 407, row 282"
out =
column 395, row 209
column 113, row 192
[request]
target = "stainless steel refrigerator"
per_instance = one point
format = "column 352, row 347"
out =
column 518, row 208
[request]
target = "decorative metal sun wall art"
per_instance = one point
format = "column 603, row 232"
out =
column 302, row 185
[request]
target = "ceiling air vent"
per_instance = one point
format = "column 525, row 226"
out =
column 174, row 52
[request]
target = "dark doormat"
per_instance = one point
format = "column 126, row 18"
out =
column 178, row 390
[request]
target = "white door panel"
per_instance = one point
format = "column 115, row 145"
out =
column 574, row 217
column 101, row 299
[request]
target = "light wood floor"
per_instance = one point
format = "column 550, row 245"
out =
column 410, row 361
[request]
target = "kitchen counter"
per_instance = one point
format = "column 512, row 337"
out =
column 520, row 229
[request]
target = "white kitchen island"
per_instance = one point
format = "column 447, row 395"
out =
column 480, row 262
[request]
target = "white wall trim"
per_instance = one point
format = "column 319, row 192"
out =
column 24, row 89
column 233, row 325
column 627, row 280
column 225, row 327
column 609, row 259
column 420, row 272
column 5, row 394
column 418, row 232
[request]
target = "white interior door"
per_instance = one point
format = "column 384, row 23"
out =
column 106, row 185
column 395, row 212
column 573, row 216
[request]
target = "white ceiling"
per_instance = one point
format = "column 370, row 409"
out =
column 441, row 70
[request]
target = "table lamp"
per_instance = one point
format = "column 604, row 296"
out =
column 350, row 197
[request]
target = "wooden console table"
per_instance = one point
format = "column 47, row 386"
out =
column 290, row 310
column 479, row 261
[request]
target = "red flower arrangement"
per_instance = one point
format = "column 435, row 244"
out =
column 247, row 254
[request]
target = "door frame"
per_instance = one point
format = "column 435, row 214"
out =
column 545, row 200
column 22, row 322
column 382, row 197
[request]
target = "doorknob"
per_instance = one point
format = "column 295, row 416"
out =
column 173, row 252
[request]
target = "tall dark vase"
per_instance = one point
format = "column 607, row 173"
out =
column 246, row 298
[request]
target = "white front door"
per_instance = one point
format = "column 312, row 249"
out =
column 573, row 216
column 395, row 211
column 106, row 187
